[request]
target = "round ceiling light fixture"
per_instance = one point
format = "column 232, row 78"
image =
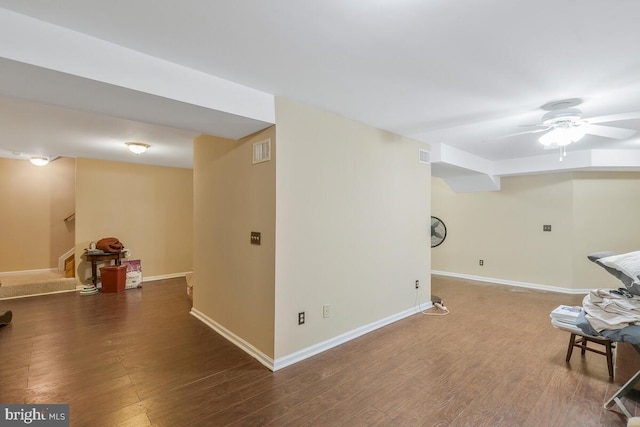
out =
column 39, row 160
column 137, row 147
column 566, row 127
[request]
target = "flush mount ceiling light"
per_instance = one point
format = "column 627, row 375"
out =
column 137, row 147
column 39, row 160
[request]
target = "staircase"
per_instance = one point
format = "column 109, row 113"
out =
column 31, row 283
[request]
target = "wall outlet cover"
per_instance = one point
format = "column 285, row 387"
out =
column 326, row 311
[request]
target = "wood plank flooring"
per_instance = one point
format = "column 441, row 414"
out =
column 138, row 358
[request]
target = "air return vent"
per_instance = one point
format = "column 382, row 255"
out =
column 425, row 156
column 261, row 151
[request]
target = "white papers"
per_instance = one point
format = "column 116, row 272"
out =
column 566, row 314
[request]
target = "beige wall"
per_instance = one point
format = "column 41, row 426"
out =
column 589, row 212
column 35, row 200
column 352, row 217
column 606, row 217
column 149, row 208
column 234, row 280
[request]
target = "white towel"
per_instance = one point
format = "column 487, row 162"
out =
column 605, row 310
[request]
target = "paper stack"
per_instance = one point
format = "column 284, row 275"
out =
column 565, row 316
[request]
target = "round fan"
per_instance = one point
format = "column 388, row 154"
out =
column 438, row 231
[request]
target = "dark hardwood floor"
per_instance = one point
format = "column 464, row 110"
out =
column 138, row 358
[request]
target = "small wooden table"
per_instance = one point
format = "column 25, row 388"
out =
column 94, row 259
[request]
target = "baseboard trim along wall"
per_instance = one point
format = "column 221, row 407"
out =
column 150, row 278
column 40, row 270
column 161, row 277
column 147, row 279
column 305, row 353
column 513, row 283
column 234, row 339
column 38, row 295
column 53, row 270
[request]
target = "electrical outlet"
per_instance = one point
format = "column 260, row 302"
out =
column 546, row 228
column 417, row 284
column 301, row 318
column 326, row 311
column 481, row 262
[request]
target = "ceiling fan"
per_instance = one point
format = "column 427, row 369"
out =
column 564, row 124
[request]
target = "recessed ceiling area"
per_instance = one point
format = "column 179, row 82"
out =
column 50, row 113
column 30, row 128
column 459, row 76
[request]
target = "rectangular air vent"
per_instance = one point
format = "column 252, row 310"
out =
column 261, row 151
column 425, row 156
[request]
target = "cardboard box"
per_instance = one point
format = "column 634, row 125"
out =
column 134, row 273
column 113, row 278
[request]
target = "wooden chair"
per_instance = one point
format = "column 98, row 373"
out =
column 580, row 340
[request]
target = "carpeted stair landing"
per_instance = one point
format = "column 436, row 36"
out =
column 14, row 285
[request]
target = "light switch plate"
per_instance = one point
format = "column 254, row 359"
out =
column 255, row 237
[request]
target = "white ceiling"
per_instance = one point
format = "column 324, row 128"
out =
column 458, row 74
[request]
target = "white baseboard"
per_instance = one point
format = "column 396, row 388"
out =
column 162, row 277
column 37, row 295
column 305, row 353
column 146, row 279
column 513, row 283
column 41, row 270
column 234, row 339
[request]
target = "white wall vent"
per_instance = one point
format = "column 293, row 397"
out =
column 425, row 156
column 261, row 151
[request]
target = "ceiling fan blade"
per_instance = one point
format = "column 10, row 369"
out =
column 546, row 128
column 615, row 117
column 610, row 131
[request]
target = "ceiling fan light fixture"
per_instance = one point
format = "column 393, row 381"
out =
column 137, row 147
column 576, row 133
column 39, row 160
column 563, row 135
column 555, row 137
